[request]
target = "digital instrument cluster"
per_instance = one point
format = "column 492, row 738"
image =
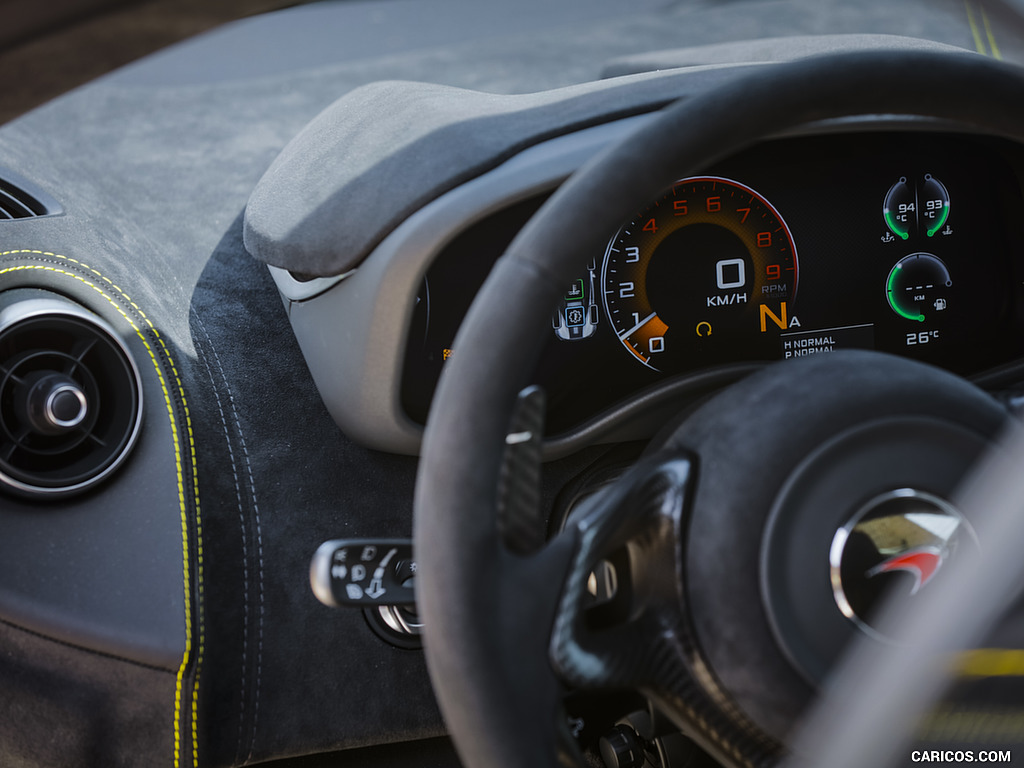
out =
column 908, row 243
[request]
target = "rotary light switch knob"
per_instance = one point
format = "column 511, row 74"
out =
column 621, row 748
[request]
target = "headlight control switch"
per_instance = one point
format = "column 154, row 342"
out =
column 364, row 572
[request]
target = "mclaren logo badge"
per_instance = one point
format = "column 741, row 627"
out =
column 922, row 563
column 898, row 541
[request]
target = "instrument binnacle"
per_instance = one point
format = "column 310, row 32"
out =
column 907, row 242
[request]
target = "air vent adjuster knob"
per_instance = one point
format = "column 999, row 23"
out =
column 54, row 403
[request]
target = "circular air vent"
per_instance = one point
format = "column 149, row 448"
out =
column 70, row 396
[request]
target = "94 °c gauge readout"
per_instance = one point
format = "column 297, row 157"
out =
column 696, row 271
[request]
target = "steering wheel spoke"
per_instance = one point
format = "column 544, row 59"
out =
column 619, row 615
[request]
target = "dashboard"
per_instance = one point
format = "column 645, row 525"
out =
column 905, row 242
column 154, row 615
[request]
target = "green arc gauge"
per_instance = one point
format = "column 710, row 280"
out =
column 900, row 209
column 917, row 285
column 934, row 206
column 913, row 207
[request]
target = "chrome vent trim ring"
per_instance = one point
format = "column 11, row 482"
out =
column 50, row 346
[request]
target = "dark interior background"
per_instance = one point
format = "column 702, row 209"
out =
column 50, row 47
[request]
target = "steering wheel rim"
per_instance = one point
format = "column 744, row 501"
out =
column 474, row 595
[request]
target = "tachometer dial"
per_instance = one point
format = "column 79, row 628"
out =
column 707, row 264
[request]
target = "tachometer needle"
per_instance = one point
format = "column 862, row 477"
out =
column 638, row 326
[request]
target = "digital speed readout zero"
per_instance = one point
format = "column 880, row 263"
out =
column 704, row 264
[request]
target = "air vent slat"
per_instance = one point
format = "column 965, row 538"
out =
column 81, row 350
column 20, row 199
column 13, row 207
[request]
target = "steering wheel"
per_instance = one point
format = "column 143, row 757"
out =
column 721, row 617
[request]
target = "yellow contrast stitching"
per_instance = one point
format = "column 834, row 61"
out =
column 180, row 479
column 991, row 662
column 978, row 44
column 991, row 38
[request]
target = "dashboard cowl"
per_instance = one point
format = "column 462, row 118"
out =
column 383, row 151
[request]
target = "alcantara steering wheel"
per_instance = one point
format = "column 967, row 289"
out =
column 725, row 615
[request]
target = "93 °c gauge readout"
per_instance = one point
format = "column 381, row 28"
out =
column 699, row 269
